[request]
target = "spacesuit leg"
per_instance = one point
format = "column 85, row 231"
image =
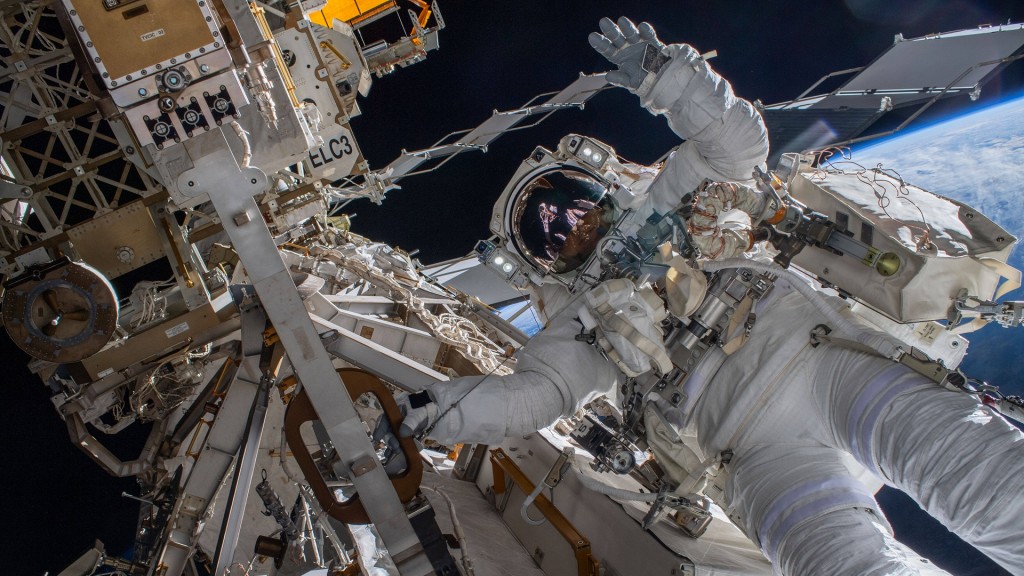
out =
column 810, row 516
column 959, row 460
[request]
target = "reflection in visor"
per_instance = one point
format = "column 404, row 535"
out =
column 557, row 220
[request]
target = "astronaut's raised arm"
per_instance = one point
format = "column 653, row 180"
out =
column 700, row 106
column 725, row 137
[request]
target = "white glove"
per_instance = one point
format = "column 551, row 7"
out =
column 636, row 51
column 436, row 412
column 419, row 410
column 627, row 320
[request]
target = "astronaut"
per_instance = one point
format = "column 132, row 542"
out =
column 797, row 421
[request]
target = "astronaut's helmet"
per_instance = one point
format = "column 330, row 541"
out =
column 559, row 217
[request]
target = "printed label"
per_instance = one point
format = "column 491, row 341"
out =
column 151, row 35
column 336, row 156
column 928, row 331
column 105, row 373
column 176, row 329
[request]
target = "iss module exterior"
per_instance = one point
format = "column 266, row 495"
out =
column 176, row 252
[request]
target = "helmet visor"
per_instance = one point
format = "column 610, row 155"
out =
column 558, row 219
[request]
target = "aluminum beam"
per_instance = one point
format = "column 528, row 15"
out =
column 231, row 189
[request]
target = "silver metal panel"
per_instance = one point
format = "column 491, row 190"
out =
column 469, row 276
column 214, row 460
column 245, row 467
column 416, row 344
column 378, row 360
column 957, row 59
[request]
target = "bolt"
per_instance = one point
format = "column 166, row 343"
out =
column 143, row 92
column 125, row 254
column 204, row 68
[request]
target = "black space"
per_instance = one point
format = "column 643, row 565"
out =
column 497, row 55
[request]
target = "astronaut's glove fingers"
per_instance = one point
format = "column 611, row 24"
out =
column 619, row 78
column 420, row 411
column 602, row 44
column 393, row 458
column 635, row 50
column 647, row 34
column 629, row 30
column 612, row 33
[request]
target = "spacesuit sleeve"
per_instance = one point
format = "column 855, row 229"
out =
column 725, row 136
column 554, row 375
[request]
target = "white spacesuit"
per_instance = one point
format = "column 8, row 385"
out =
column 797, row 420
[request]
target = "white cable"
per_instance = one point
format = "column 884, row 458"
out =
column 246, row 148
column 449, row 328
column 876, row 342
column 283, row 455
column 467, row 564
column 524, row 510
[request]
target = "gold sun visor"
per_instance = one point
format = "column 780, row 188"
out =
column 558, row 218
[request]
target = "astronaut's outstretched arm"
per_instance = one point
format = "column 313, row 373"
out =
column 554, row 375
column 725, row 136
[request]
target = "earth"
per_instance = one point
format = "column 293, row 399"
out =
column 976, row 158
